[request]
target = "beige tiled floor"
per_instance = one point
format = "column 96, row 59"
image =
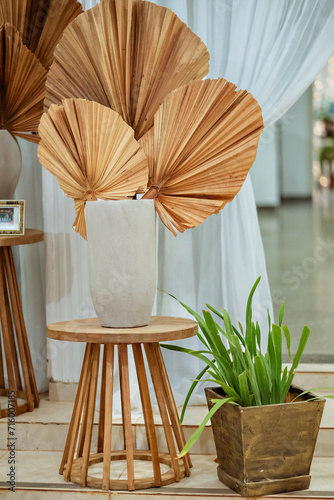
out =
column 39, row 470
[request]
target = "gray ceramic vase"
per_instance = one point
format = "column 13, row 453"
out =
column 121, row 238
column 10, row 165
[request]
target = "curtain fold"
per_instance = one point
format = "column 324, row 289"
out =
column 274, row 50
column 30, row 264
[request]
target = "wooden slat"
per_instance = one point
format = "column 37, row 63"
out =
column 109, row 380
column 5, row 332
column 147, row 411
column 172, row 408
column 77, row 410
column 83, row 425
column 90, row 413
column 158, row 388
column 17, row 302
column 16, row 365
column 102, row 404
column 2, row 373
column 126, row 411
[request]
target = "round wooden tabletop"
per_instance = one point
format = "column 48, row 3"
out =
column 160, row 329
column 30, row 236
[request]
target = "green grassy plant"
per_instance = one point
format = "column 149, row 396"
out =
column 247, row 376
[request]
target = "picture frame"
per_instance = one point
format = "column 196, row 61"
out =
column 12, row 217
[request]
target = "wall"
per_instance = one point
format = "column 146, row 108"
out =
column 283, row 167
column 265, row 170
column 296, row 149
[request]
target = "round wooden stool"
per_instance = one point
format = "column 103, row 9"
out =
column 14, row 334
column 79, row 438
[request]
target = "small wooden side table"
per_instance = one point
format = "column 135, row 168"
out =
column 80, row 437
column 14, row 335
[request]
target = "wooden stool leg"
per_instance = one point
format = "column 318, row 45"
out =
column 22, row 339
column 158, row 388
column 126, row 411
column 83, row 426
column 102, row 409
column 147, row 411
column 5, row 332
column 16, row 365
column 73, row 430
column 90, row 413
column 172, row 408
column 8, row 313
column 108, row 387
column 2, row 373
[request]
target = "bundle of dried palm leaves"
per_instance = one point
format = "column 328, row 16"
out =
column 141, row 61
column 29, row 32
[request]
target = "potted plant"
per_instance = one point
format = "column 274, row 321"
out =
column 266, row 433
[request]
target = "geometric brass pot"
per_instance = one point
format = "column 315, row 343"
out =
column 267, row 449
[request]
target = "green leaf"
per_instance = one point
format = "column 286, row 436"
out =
column 301, row 346
column 244, row 389
column 252, row 380
column 288, row 340
column 328, row 396
column 281, row 314
column 283, row 382
column 198, row 318
column 191, row 390
column 212, row 329
column 258, row 335
column 239, row 335
column 193, row 438
column 269, row 319
column 197, row 354
column 228, row 390
column 262, row 379
column 249, row 305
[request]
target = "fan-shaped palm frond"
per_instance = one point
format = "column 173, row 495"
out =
column 93, row 154
column 204, row 143
column 40, row 23
column 127, row 55
column 22, row 84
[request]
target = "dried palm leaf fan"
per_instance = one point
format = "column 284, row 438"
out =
column 127, row 55
column 40, row 23
column 22, row 86
column 204, row 143
column 93, row 154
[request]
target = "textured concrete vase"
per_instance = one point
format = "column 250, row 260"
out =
column 121, row 238
column 10, row 165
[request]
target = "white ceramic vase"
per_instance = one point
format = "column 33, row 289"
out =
column 10, row 165
column 121, row 238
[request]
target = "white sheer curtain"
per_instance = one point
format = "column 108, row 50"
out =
column 29, row 262
column 273, row 49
